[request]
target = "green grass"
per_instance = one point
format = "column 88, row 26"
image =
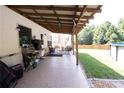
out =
column 95, row 69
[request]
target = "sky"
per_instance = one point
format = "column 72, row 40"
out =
column 110, row 12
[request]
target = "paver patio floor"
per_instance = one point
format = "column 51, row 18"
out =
column 55, row 72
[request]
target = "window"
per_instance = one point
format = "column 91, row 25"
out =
column 25, row 35
column 42, row 41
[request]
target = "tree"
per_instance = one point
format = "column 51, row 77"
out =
column 112, row 34
column 99, row 35
column 121, row 28
column 86, row 35
column 121, row 24
column 103, row 34
column 106, row 33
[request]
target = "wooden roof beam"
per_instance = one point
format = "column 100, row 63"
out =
column 53, row 15
column 81, row 21
column 92, row 15
column 59, row 23
column 38, row 14
column 43, row 7
column 53, row 22
column 83, row 9
column 75, row 13
column 74, row 21
column 46, row 21
column 46, row 14
column 87, row 17
column 69, row 20
column 52, row 19
column 20, row 12
column 53, row 28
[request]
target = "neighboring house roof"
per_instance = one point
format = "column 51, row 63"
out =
column 117, row 44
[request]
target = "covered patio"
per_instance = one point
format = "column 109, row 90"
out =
column 52, row 72
column 66, row 19
column 55, row 72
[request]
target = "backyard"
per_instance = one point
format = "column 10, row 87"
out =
column 100, row 69
column 96, row 69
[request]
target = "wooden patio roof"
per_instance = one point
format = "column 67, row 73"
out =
column 68, row 19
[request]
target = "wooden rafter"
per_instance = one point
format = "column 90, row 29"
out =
column 55, row 8
column 53, row 22
column 74, row 21
column 66, row 25
column 52, row 27
column 87, row 21
column 83, row 9
column 91, row 16
column 48, row 14
column 46, row 21
column 38, row 14
column 59, row 23
column 53, row 15
column 68, row 20
column 75, row 13
column 20, row 12
column 99, row 7
column 52, row 19
column 67, row 16
column 81, row 14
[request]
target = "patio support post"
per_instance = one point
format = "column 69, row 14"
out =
column 76, row 49
column 72, row 38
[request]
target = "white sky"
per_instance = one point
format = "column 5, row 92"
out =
column 110, row 12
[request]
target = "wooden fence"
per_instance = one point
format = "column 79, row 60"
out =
column 107, row 47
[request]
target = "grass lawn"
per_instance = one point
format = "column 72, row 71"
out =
column 96, row 69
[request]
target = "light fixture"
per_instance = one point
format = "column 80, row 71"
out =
column 17, row 28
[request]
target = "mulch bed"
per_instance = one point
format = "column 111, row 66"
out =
column 105, row 83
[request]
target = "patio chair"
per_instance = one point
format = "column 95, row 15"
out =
column 7, row 77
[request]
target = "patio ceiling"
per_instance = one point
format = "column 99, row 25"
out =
column 68, row 19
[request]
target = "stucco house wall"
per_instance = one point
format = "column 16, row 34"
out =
column 9, row 37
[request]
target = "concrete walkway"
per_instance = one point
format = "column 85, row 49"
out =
column 55, row 72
